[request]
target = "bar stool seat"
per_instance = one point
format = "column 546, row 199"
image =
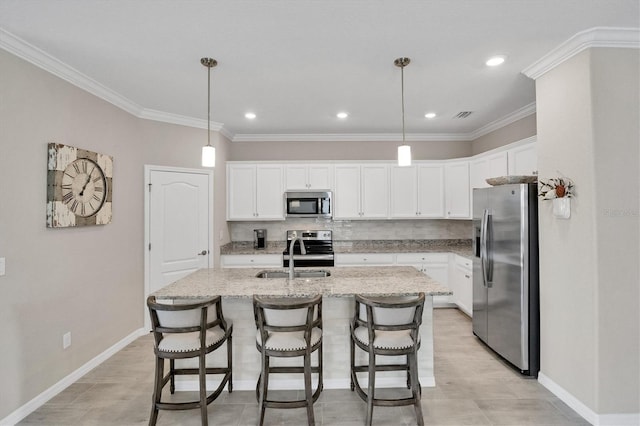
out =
column 288, row 327
column 188, row 329
column 387, row 327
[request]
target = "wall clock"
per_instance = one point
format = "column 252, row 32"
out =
column 79, row 187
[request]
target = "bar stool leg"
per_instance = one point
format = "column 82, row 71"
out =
column 230, row 363
column 157, row 390
column 371, row 388
column 202, row 374
column 415, row 386
column 308, row 390
column 264, row 385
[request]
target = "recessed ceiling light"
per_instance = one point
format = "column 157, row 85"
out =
column 250, row 115
column 495, row 61
column 342, row 115
column 430, row 115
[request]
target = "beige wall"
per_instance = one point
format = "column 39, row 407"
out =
column 516, row 131
column 281, row 151
column 587, row 112
column 89, row 281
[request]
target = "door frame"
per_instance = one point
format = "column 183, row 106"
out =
column 148, row 169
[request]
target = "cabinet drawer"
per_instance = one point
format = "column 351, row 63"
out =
column 463, row 262
column 251, row 260
column 412, row 258
column 363, row 259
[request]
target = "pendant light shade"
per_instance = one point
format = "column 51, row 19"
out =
column 208, row 151
column 208, row 156
column 404, row 150
column 404, row 155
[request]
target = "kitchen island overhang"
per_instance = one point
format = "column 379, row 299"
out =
column 238, row 285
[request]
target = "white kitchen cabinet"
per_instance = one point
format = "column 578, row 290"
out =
column 251, row 260
column 523, row 160
column 255, row 191
column 364, row 259
column 461, row 280
column 487, row 166
column 458, row 199
column 417, row 192
column 361, row 191
column 308, row 176
column 436, row 265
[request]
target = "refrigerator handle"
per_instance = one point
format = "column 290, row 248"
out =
column 483, row 246
column 486, row 256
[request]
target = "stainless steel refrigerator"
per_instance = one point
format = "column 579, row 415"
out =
column 505, row 273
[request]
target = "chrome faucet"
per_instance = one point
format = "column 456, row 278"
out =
column 295, row 237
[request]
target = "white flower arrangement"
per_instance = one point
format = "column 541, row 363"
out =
column 556, row 188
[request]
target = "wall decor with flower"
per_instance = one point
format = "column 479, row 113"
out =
column 559, row 191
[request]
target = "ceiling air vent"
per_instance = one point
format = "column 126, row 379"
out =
column 463, row 114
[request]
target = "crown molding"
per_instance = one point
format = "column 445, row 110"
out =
column 593, row 37
column 167, row 117
column 349, row 137
column 41, row 59
column 518, row 114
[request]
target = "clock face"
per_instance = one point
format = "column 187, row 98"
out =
column 84, row 187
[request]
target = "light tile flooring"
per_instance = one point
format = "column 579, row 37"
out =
column 473, row 387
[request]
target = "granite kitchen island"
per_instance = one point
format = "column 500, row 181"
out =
column 237, row 287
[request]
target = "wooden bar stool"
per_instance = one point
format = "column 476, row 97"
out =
column 387, row 327
column 188, row 329
column 290, row 327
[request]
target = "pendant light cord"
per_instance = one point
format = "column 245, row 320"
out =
column 209, row 106
column 402, row 89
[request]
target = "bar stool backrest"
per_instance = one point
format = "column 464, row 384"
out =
column 390, row 313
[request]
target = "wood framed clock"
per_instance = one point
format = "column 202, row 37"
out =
column 79, row 187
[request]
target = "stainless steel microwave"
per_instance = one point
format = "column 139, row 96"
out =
column 308, row 203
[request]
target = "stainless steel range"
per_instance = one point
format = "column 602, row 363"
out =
column 318, row 248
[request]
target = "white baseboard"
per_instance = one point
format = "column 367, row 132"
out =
column 589, row 415
column 45, row 396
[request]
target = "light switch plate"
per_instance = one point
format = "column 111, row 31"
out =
column 2, row 266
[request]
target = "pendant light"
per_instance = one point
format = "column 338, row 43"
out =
column 404, row 150
column 208, row 151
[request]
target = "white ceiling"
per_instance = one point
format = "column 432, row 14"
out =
column 296, row 63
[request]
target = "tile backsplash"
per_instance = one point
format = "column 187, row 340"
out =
column 344, row 230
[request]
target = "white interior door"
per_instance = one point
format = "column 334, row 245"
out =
column 179, row 224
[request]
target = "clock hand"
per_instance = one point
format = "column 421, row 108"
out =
column 86, row 183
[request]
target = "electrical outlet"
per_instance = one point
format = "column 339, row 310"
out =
column 2, row 266
column 66, row 340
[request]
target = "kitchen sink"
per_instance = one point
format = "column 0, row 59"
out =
column 311, row 273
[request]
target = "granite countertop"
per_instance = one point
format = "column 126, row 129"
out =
column 457, row 246
column 344, row 281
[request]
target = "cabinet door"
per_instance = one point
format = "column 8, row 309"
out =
column 269, row 192
column 457, row 190
column 296, row 176
column 478, row 173
column 498, row 165
column 375, row 191
column 404, row 192
column 346, row 199
column 319, row 176
column 440, row 273
column 241, row 196
column 431, row 191
column 523, row 160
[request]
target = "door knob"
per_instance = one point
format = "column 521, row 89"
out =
column 203, row 253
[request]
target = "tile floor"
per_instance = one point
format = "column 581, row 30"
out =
column 474, row 387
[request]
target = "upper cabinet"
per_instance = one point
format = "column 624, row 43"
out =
column 255, row 191
column 458, row 201
column 523, row 160
column 308, row 176
column 417, row 191
column 361, row 191
column 487, row 166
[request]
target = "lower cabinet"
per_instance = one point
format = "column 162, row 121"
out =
column 364, row 259
column 461, row 283
column 436, row 265
column 251, row 261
